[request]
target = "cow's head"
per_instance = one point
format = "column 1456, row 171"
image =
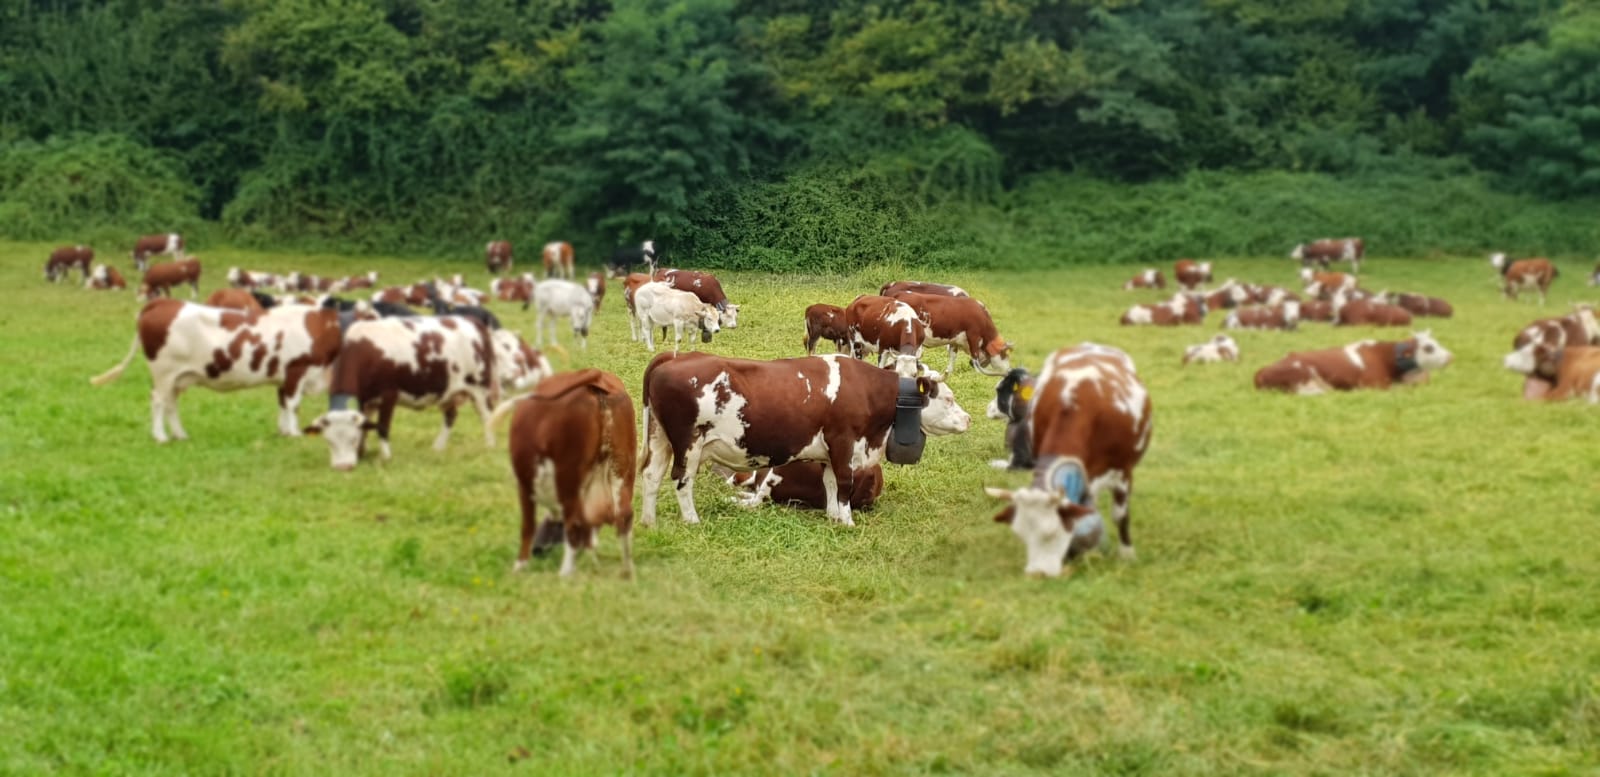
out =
column 1299, row 252
column 710, row 321
column 1291, row 313
column 145, row 293
column 729, row 315
column 1011, row 396
column 344, row 431
column 941, row 415
column 1046, row 523
column 1427, row 352
column 995, row 358
column 1498, row 261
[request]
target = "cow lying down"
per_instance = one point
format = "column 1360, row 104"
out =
column 1364, row 364
column 1559, row 373
column 799, row 484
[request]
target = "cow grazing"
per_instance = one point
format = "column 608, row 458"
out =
column 1285, row 317
column 1365, row 364
column 1419, row 304
column 884, row 326
column 1181, row 309
column 497, row 256
column 1327, row 250
column 1221, row 348
column 1013, row 395
column 558, row 260
column 1190, row 274
column 597, row 288
column 105, row 277
column 154, row 245
column 63, row 259
column 1558, row 373
column 961, row 322
column 799, row 484
column 921, row 287
column 1091, row 420
column 556, row 298
column 418, row 362
column 826, row 322
column 658, row 304
column 624, row 259
column 745, row 415
column 1516, row 276
column 225, row 350
column 1364, row 312
column 160, row 278
column 705, row 286
column 519, row 367
column 1148, row 279
column 238, row 299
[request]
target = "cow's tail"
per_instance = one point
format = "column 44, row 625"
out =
column 116, row 372
column 504, row 409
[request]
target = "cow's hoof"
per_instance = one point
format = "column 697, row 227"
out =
column 1126, row 553
column 519, row 566
column 1000, row 463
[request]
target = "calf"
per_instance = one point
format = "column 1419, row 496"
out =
column 707, row 288
column 153, row 245
column 1558, row 373
column 883, row 325
column 745, row 415
column 799, row 484
column 63, row 259
column 623, row 260
column 557, row 298
column 826, row 322
column 1419, row 304
column 1013, row 395
column 1190, row 274
column 1326, row 250
column 658, row 304
column 1536, row 273
column 1091, row 425
column 1364, row 364
column 222, row 349
column 238, row 299
column 1181, row 309
column 597, row 288
column 418, row 362
column 558, row 260
column 963, row 322
column 497, row 256
column 475, row 312
column 255, row 279
column 1363, row 312
column 921, row 287
column 1221, row 348
column 105, row 277
column 160, row 278
column 1148, row 279
column 1285, row 317
column 572, row 453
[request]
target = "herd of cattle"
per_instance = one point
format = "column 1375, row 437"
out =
column 809, row 431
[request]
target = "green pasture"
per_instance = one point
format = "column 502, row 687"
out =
column 1370, row 583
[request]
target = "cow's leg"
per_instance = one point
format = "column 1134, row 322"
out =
column 684, row 484
column 633, row 326
column 838, row 481
column 649, row 337
column 1120, row 492
column 579, row 534
column 385, row 418
column 175, row 424
column 950, row 370
column 443, row 440
column 677, row 336
column 657, row 458
column 480, row 404
column 530, row 512
column 625, row 543
column 158, row 414
column 289, row 402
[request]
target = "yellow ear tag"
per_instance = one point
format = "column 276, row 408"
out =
column 1026, row 393
column 921, row 389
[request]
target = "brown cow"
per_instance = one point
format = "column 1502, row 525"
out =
column 1181, row 309
column 160, row 278
column 105, row 277
column 1316, row 310
column 558, row 260
column 417, row 294
column 572, row 453
column 1325, row 285
column 1230, row 294
column 705, row 286
column 1419, row 304
column 170, row 244
column 513, row 289
column 238, row 299
column 961, row 322
column 631, row 284
column 1365, row 312
column 1148, row 279
column 884, row 325
column 1558, row 373
column 1364, row 364
column 1535, row 273
column 1091, row 426
column 497, row 256
column 63, row 259
column 1190, row 274
column 826, row 322
column 799, row 484
column 353, row 282
column 1326, row 250
column 1537, row 340
column 597, row 288
column 1267, row 294
column 1285, row 317
column 892, row 288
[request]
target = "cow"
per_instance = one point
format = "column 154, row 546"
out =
column 597, row 288
column 1148, row 279
column 1364, row 364
column 1229, row 295
column 513, row 289
column 1267, row 294
column 1327, row 250
column 745, row 415
column 160, row 278
column 1536, row 341
column 961, row 322
column 254, row 279
column 353, row 282
column 454, row 292
column 222, row 349
column 631, row 284
column 799, row 484
column 1516, row 275
column 105, row 277
column 552, row 299
column 1013, row 396
column 1181, row 309
column 884, row 326
column 1554, row 373
column 497, row 256
column 1324, row 285
column 418, row 362
column 1364, row 312
column 623, row 259
column 658, row 304
column 306, row 282
column 154, row 245
column 1091, row 419
column 1190, row 274
column 63, row 259
column 238, row 299
column 519, row 367
column 826, row 322
column 1221, row 348
column 558, row 260
column 417, row 294
column 1418, row 304
column 1285, row 317
column 476, row 312
column 1316, row 310
column 893, row 288
column 707, row 288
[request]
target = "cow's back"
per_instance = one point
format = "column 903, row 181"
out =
column 426, row 359
column 1091, row 405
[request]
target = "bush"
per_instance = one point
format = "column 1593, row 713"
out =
column 73, row 184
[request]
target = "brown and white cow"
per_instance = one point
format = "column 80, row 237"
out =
column 63, row 259
column 799, row 484
column 1365, row 312
column 1181, row 309
column 745, row 415
column 254, row 279
column 306, row 282
column 826, row 322
column 705, row 286
column 354, row 282
column 147, row 246
column 1325, row 285
column 892, row 288
column 416, row 294
column 224, row 350
column 1229, row 295
column 497, row 256
column 1517, row 275
column 419, row 362
column 572, row 452
column 1190, row 274
column 160, row 278
column 513, row 289
column 1418, row 304
column 1535, row 342
column 1147, row 279
column 961, row 322
column 597, row 288
column 558, row 260
column 1285, row 317
column 519, row 366
column 1558, row 373
column 238, row 299
column 1317, row 310
column 105, row 276
column 1091, row 421
column 631, row 283
column 658, row 304
column 1327, row 250
column 1365, row 364
column 885, row 326
column 1221, row 348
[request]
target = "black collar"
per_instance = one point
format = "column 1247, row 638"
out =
column 1405, row 357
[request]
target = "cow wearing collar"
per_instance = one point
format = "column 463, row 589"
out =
column 1365, row 364
column 1563, row 372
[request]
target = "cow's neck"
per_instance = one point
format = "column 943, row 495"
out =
column 1064, row 475
column 1505, row 267
column 1405, row 358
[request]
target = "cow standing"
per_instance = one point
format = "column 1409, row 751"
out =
column 1365, row 364
column 160, row 278
column 893, row 288
column 238, row 299
column 147, row 246
column 1091, row 420
column 826, row 322
column 558, row 262
column 1515, row 276
column 658, row 304
column 497, row 256
column 622, row 260
column 884, row 326
column 555, row 299
column 705, row 286
column 1013, row 395
column 63, row 259
column 1190, row 274
column 965, row 323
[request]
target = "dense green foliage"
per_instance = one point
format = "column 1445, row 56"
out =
column 754, row 132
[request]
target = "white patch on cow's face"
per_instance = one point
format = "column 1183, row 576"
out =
column 1497, row 261
column 1291, row 313
column 943, row 415
column 710, row 318
column 1521, row 360
column 1039, row 526
column 906, row 365
column 730, row 316
column 831, row 391
column 1299, row 252
column 1139, row 314
column 342, row 430
column 1430, row 354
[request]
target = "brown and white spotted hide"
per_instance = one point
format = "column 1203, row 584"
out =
column 520, row 367
column 105, row 276
column 497, row 256
column 1091, row 422
column 1316, row 310
column 1535, row 343
column 1520, row 275
column 1221, row 348
column 1422, row 305
column 255, row 279
column 1558, row 373
column 1366, row 364
column 1285, row 317
column 1267, row 294
column 884, row 325
column 597, row 287
column 745, row 415
column 1363, row 312
column 572, row 453
column 416, row 295
column 1148, row 279
column 705, row 286
column 238, row 299
column 1327, row 250
column 1181, row 309
column 558, row 260
column 1327, row 285
column 63, row 259
column 224, row 349
column 354, row 282
column 893, row 288
column 961, row 323
column 799, row 484
column 147, row 246
column 512, row 289
column 826, row 322
column 1191, row 274
column 160, row 278
column 1228, row 296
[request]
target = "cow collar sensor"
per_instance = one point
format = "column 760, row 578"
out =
column 906, row 438
column 1405, row 357
column 339, row 401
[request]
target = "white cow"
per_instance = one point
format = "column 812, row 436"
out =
column 657, row 304
column 555, row 298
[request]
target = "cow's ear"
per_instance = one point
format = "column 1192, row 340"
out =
column 369, row 426
column 1007, row 515
column 998, row 493
column 1070, row 513
column 928, row 388
column 315, row 428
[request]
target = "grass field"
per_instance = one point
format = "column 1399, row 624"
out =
column 1379, row 583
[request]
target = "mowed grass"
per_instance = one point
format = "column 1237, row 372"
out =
column 1381, row 583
